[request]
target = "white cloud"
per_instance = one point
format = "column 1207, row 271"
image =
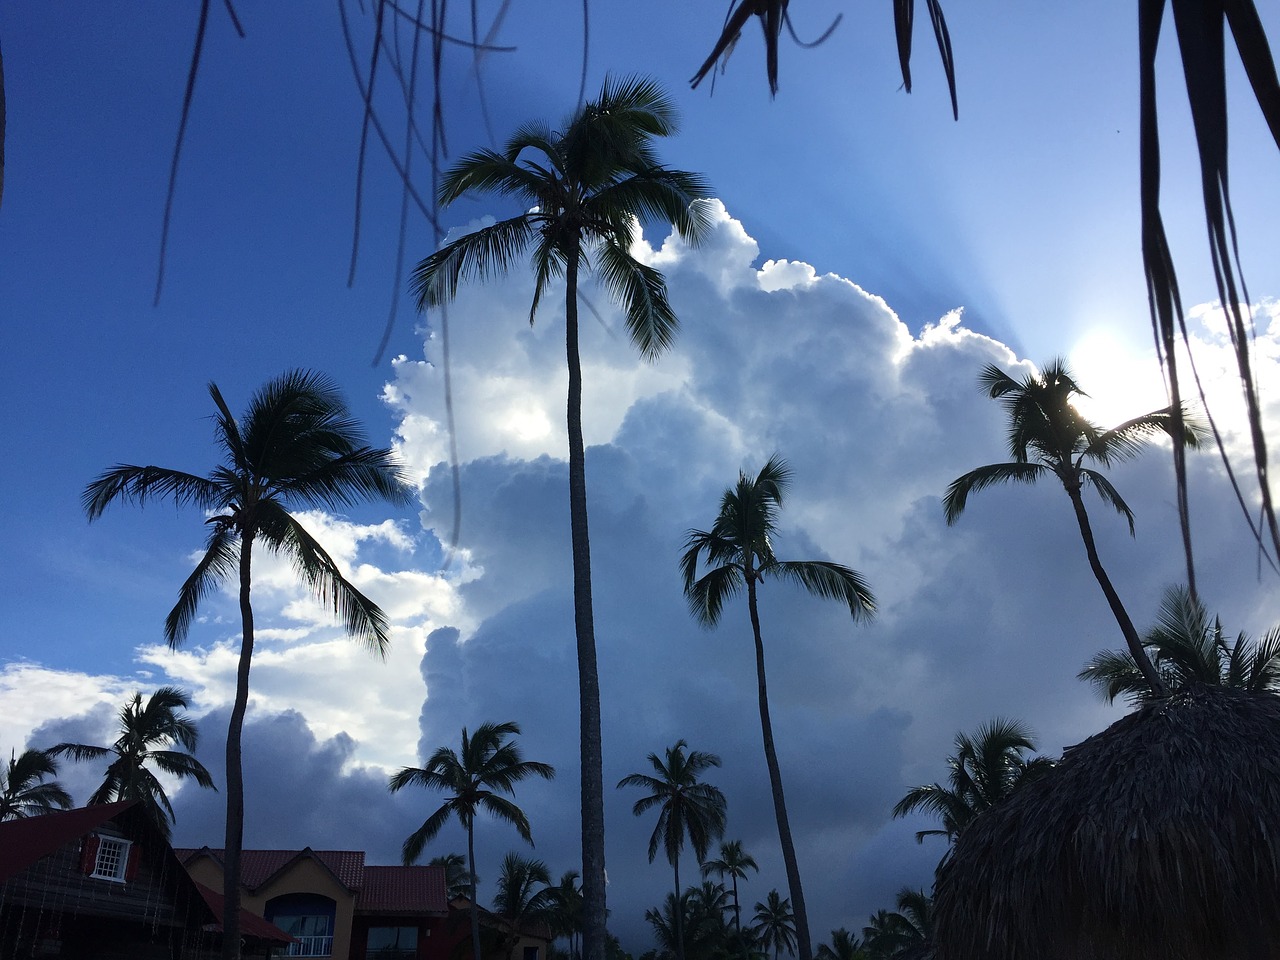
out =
column 991, row 617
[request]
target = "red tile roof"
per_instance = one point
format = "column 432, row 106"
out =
column 26, row 840
column 403, row 890
column 251, row 925
column 259, row 866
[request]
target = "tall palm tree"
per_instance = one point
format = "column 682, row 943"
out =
column 23, row 790
column 148, row 732
column 487, row 765
column 739, row 550
column 582, row 189
column 1048, row 436
column 775, row 924
column 1187, row 648
column 524, row 896
column 733, row 862
column 986, row 768
column 296, row 446
column 686, row 806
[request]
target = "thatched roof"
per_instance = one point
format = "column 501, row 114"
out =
column 1157, row 839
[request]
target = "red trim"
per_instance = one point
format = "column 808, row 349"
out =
column 89, row 854
column 131, row 865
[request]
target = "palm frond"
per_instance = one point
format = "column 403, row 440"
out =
column 1110, row 495
column 707, row 595
column 488, row 251
column 141, row 484
column 957, row 496
column 361, row 617
column 831, row 581
column 417, row 841
column 642, row 291
column 219, row 563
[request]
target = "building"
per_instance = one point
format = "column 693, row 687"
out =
column 337, row 906
column 102, row 883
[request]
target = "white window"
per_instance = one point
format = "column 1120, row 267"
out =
column 113, row 857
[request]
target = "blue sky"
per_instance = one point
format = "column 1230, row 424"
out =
column 819, row 321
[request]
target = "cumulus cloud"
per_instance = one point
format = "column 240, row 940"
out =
column 991, row 617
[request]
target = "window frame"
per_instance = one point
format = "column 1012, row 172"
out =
column 122, row 848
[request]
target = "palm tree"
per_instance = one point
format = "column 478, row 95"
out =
column 686, row 807
column 739, row 549
column 524, row 896
column 148, row 732
column 844, row 946
column 775, row 924
column 1047, row 436
column 733, row 862
column 890, row 933
column 296, row 445
column 1186, row 648
column 23, row 792
column 457, row 881
column 582, row 189
column 567, row 910
column 986, row 768
column 487, row 765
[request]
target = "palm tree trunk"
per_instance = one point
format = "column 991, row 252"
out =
column 593, row 892
column 235, row 775
column 775, row 782
column 737, row 907
column 1131, row 638
column 679, row 912
column 475, row 906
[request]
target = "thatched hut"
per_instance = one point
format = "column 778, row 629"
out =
column 1157, row 839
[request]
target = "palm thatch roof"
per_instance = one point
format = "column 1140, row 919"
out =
column 1157, row 839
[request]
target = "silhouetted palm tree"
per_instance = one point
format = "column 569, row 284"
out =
column 1187, row 648
column 582, row 189
column 567, row 910
column 524, row 896
column 739, row 550
column 297, row 445
column 843, row 946
column 890, row 933
column 457, row 879
column 986, row 768
column 487, row 765
column 733, row 862
column 1049, row 437
column 775, row 924
column 23, row 790
column 686, row 806
column 148, row 732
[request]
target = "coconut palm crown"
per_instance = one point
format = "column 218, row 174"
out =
column 738, row 549
column 987, row 767
column 1187, row 647
column 24, row 792
column 296, row 446
column 1047, row 436
column 582, row 189
column 733, row 862
column 146, row 730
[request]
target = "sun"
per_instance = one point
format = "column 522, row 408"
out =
column 1123, row 381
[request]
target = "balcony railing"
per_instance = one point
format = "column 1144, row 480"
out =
column 311, row 947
